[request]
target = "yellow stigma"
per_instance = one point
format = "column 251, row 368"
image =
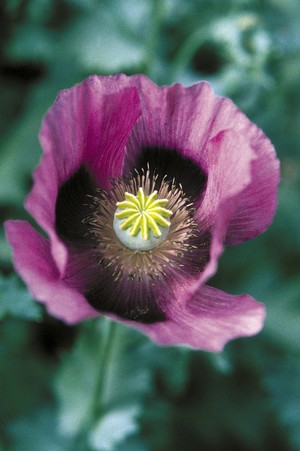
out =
column 143, row 213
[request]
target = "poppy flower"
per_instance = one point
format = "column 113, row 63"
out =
column 139, row 189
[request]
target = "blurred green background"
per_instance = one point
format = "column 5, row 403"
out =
column 245, row 398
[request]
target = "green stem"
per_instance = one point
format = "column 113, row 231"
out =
column 104, row 367
column 97, row 406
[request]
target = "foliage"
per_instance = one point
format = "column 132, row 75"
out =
column 153, row 398
column 16, row 301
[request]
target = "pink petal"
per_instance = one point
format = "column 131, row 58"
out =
column 258, row 201
column 208, row 321
column 175, row 117
column 33, row 261
column 228, row 175
column 186, row 119
column 88, row 124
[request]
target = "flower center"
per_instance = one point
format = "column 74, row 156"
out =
column 141, row 222
column 181, row 249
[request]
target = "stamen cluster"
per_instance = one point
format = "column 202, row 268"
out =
column 174, row 253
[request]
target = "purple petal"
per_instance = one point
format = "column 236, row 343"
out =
column 228, row 175
column 186, row 119
column 258, row 201
column 33, row 261
column 208, row 321
column 88, row 124
column 174, row 118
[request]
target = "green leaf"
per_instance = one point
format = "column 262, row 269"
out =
column 107, row 44
column 170, row 366
column 31, row 42
column 76, row 381
column 127, row 379
column 25, row 372
column 284, row 314
column 37, row 432
column 16, row 301
column 5, row 256
column 282, row 382
column 114, row 427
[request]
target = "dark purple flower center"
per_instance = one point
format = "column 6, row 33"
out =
column 134, row 284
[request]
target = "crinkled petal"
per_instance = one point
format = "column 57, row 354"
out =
column 228, row 175
column 258, row 201
column 186, row 119
column 174, row 117
column 88, row 124
column 33, row 261
column 208, row 320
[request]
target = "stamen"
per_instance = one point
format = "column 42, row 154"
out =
column 181, row 248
